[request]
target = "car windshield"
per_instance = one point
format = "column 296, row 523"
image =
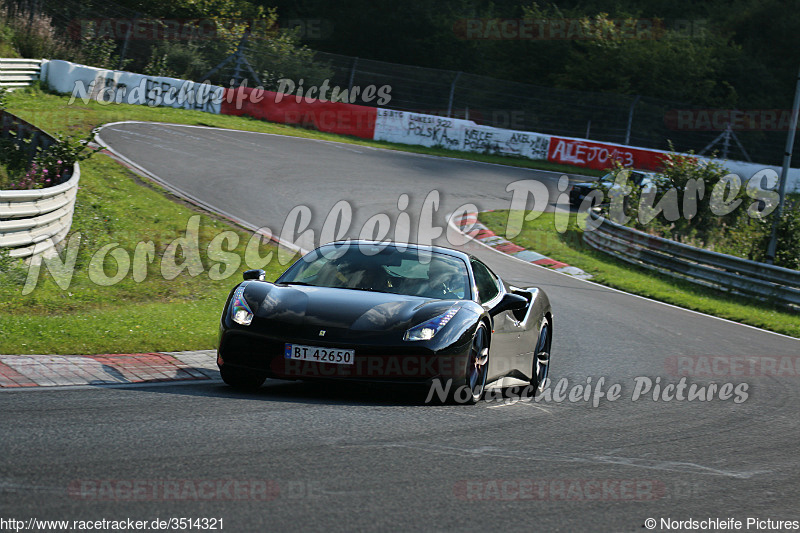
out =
column 382, row 268
column 637, row 178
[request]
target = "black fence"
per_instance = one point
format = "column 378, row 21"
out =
column 638, row 121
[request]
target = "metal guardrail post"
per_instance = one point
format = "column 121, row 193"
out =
column 787, row 160
column 630, row 118
column 452, row 94
column 352, row 76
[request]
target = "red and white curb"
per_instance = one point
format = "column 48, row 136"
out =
column 469, row 225
column 62, row 370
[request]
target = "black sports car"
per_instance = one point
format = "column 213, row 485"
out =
column 606, row 186
column 389, row 313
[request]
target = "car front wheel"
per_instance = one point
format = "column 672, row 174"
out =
column 541, row 359
column 477, row 366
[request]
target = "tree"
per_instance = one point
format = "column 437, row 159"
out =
column 626, row 56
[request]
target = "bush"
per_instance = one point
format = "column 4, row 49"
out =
column 49, row 167
column 33, row 35
column 693, row 203
column 5, row 179
column 787, row 252
column 701, row 204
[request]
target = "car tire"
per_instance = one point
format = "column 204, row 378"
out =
column 477, row 368
column 541, row 357
column 242, row 379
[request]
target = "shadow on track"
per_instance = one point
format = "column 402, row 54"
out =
column 301, row 392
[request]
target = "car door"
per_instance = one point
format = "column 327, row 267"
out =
column 504, row 359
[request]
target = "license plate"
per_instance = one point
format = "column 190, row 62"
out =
column 301, row 352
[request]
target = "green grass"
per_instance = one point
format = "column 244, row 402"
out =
column 540, row 235
column 116, row 206
column 153, row 314
column 5, row 179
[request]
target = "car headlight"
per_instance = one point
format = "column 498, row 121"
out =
column 428, row 329
column 240, row 311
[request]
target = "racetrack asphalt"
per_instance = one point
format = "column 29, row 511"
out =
column 345, row 458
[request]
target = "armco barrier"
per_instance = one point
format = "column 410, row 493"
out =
column 712, row 269
column 19, row 72
column 32, row 222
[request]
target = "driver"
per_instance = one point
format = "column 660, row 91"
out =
column 443, row 281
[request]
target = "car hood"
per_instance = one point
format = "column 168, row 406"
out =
column 299, row 307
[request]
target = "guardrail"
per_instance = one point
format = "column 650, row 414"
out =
column 711, row 269
column 19, row 72
column 32, row 222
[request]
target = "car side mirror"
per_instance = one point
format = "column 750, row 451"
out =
column 509, row 302
column 258, row 274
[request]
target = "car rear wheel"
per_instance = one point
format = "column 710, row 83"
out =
column 541, row 359
column 242, row 379
column 477, row 366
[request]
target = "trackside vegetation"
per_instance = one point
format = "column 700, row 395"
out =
column 540, row 235
column 702, row 204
